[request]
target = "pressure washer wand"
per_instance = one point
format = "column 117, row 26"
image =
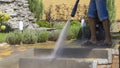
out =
column 74, row 9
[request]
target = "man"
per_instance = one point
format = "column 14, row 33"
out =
column 98, row 8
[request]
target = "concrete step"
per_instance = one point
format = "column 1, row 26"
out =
column 68, row 58
column 55, row 63
column 13, row 60
column 78, row 53
column 75, row 52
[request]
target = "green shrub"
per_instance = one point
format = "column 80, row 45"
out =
column 75, row 22
column 73, row 31
column 58, row 25
column 75, row 26
column 42, row 23
column 3, row 18
column 111, row 10
column 2, row 37
column 7, row 29
column 36, row 6
column 14, row 37
column 29, row 37
column 54, row 35
column 42, row 35
column 70, row 35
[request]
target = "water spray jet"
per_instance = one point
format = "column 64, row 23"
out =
column 62, row 37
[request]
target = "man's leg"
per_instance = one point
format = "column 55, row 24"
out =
column 106, row 26
column 103, row 16
column 92, row 25
column 92, row 12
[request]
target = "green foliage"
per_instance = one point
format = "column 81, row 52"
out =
column 58, row 25
column 36, row 6
column 70, row 35
column 3, row 17
column 73, row 31
column 14, row 37
column 42, row 23
column 42, row 35
column 29, row 37
column 76, row 23
column 7, row 29
column 75, row 26
column 2, row 37
column 39, row 10
column 111, row 10
column 54, row 35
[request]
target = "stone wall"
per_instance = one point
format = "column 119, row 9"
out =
column 18, row 11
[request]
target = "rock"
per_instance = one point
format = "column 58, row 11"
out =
column 26, row 5
column 13, row 14
column 31, row 18
column 15, row 8
column 26, row 2
column 8, row 1
column 19, row 11
column 20, row 4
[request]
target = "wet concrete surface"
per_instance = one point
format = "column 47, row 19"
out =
column 73, row 49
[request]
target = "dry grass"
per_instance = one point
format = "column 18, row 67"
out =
column 47, row 3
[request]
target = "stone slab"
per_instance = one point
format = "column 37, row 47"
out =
column 74, row 53
column 12, row 61
column 55, row 63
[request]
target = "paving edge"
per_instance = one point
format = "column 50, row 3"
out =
column 14, row 58
column 94, row 63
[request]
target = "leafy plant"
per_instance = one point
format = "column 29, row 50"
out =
column 42, row 35
column 2, row 37
column 43, row 23
column 14, row 37
column 54, row 35
column 74, row 29
column 75, row 22
column 111, row 10
column 29, row 37
column 8, row 28
column 3, row 17
column 70, row 35
column 36, row 6
column 58, row 25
